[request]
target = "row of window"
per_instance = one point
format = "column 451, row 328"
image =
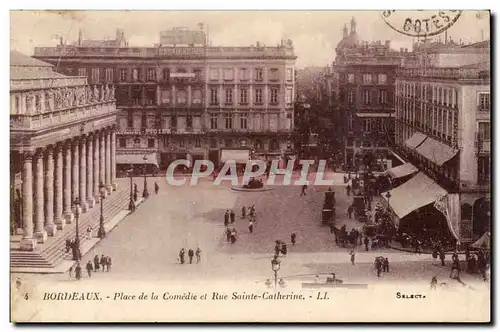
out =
column 243, row 95
column 368, row 78
column 368, row 97
column 371, row 125
column 228, row 74
column 228, row 142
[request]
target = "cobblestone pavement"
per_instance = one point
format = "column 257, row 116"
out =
column 145, row 245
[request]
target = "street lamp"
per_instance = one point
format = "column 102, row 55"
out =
column 76, row 250
column 102, row 232
column 145, row 193
column 275, row 266
column 131, row 204
column 388, row 195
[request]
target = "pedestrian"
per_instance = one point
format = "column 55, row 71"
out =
column 108, row 264
column 181, row 256
column 243, row 212
column 348, row 190
column 277, row 248
column 68, row 245
column 434, row 282
column 233, row 236
column 378, row 266
column 89, row 233
column 366, row 242
column 303, row 192
column 386, row 264
column 434, row 256
column 70, row 271
column 250, row 226
column 293, row 238
column 198, row 255
column 228, row 234
column 103, row 262
column 136, row 191
column 96, row 263
column 252, row 211
column 157, row 188
column 349, row 211
column 442, row 256
column 78, row 271
column 226, row 218
column 269, row 283
column 353, row 256
column 89, row 268
column 232, row 215
column 190, row 255
column 284, row 249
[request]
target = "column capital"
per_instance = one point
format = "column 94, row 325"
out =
column 89, row 137
column 58, row 147
column 40, row 152
column 50, row 149
column 75, row 141
column 28, row 154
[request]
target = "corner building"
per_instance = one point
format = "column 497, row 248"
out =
column 62, row 134
column 192, row 101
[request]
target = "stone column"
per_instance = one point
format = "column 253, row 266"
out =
column 58, row 186
column 102, row 160
column 107, row 138
column 40, row 233
column 96, row 167
column 68, row 214
column 50, row 227
column 83, row 174
column 90, row 172
column 28, row 242
column 75, row 174
column 113, row 159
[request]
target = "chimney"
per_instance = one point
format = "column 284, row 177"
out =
column 401, row 50
column 80, row 37
column 388, row 43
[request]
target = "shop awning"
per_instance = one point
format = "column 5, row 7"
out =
column 374, row 115
column 402, row 170
column 484, row 242
column 417, row 192
column 238, row 156
column 415, row 140
column 137, row 159
column 435, row 151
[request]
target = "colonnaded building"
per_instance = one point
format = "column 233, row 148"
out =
column 184, row 98
column 62, row 134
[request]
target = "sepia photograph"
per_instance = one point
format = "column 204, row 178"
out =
column 239, row 166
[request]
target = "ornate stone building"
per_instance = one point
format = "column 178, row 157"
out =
column 192, row 101
column 443, row 128
column 365, row 73
column 62, row 134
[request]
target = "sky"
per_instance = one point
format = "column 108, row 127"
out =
column 315, row 34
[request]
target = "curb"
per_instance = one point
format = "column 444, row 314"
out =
column 423, row 252
column 251, row 190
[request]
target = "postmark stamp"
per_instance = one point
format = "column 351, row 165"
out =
column 422, row 23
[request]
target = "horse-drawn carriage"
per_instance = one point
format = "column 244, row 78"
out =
column 329, row 212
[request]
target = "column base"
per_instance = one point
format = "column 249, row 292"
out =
column 60, row 223
column 109, row 188
column 83, row 206
column 27, row 244
column 91, row 203
column 51, row 229
column 115, row 186
column 97, row 199
column 41, row 237
column 68, row 216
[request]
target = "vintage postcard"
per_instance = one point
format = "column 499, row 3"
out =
column 250, row 166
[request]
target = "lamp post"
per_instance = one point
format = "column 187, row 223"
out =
column 102, row 232
column 275, row 266
column 76, row 250
column 145, row 192
column 388, row 199
column 131, row 204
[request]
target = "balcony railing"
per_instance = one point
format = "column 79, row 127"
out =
column 450, row 73
column 483, row 146
column 59, row 117
column 484, row 108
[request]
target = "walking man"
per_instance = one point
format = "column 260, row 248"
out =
column 293, row 238
column 89, row 268
column 386, row 264
column 349, row 211
column 303, row 192
column 190, row 254
column 78, row 271
column 250, row 226
column 157, row 188
column 108, row 264
column 226, row 218
column 70, row 271
column 348, row 190
column 353, row 256
column 366, row 241
column 232, row 215
column 243, row 212
column 442, row 256
column 96, row 263
column 378, row 266
column 198, row 255
column 181, row 256
column 103, row 262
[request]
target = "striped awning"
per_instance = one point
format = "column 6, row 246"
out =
column 415, row 140
column 435, row 151
column 402, row 170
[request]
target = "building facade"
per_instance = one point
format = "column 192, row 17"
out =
column 62, row 134
column 195, row 102
column 366, row 76
column 443, row 127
